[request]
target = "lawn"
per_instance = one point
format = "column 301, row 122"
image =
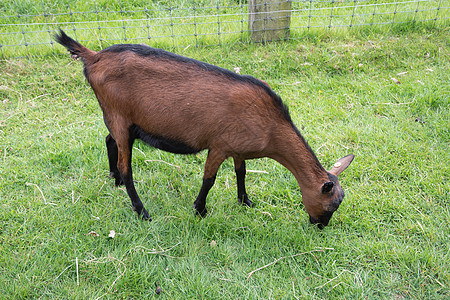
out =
column 67, row 232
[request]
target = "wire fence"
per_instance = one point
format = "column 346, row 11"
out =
column 27, row 26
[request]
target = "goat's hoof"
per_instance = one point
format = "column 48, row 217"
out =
column 119, row 183
column 144, row 215
column 245, row 201
column 117, row 178
column 200, row 212
column 142, row 212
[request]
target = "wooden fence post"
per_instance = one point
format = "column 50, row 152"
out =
column 269, row 20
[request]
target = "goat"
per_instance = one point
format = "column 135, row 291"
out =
column 184, row 106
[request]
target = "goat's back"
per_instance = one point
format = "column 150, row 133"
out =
column 186, row 100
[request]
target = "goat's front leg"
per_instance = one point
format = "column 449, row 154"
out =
column 239, row 167
column 213, row 162
column 111, row 147
column 124, row 146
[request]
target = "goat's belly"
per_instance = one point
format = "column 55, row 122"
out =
column 163, row 143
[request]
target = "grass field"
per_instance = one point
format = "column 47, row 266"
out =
column 381, row 96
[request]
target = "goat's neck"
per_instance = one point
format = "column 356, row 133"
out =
column 291, row 151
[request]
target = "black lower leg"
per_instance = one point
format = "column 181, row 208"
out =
column 200, row 202
column 240, row 178
column 138, row 206
column 111, row 147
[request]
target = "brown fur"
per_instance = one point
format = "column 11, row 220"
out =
column 202, row 108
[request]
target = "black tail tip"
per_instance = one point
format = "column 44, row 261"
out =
column 61, row 37
column 71, row 45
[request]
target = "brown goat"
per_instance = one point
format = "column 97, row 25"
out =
column 183, row 106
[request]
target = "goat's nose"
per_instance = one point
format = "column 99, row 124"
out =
column 317, row 221
column 323, row 220
column 313, row 220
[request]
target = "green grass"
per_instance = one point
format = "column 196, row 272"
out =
column 27, row 26
column 388, row 240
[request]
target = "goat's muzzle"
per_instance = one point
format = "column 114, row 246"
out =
column 322, row 221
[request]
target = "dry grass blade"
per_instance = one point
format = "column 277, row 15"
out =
column 62, row 272
column 117, row 263
column 162, row 161
column 284, row 257
column 78, row 276
column 42, row 194
column 257, row 171
column 154, row 251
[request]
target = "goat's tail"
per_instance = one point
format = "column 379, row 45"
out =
column 75, row 49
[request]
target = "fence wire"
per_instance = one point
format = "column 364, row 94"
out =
column 27, row 27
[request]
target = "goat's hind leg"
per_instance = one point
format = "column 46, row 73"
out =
column 111, row 147
column 239, row 167
column 124, row 146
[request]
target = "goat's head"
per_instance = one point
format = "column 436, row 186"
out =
column 324, row 199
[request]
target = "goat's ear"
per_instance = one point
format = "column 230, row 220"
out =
column 342, row 164
column 327, row 187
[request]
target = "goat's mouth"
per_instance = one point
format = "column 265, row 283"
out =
column 322, row 221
